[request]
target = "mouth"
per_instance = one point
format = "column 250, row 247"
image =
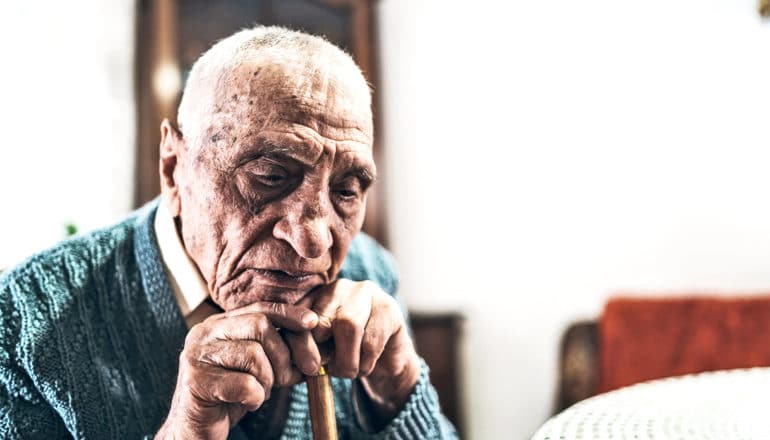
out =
column 288, row 279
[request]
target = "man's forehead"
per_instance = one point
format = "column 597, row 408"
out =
column 293, row 122
column 258, row 92
column 305, row 145
column 292, row 132
column 305, row 81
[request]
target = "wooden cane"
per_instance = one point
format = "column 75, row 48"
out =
column 320, row 396
column 321, row 400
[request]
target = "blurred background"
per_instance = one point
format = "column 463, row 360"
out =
column 537, row 157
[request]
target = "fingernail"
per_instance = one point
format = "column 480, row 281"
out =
column 309, row 318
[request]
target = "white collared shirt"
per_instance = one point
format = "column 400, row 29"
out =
column 189, row 287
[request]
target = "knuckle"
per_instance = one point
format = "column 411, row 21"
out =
column 277, row 308
column 393, row 309
column 283, row 378
column 247, row 363
column 251, row 389
column 267, row 381
column 196, row 333
column 255, row 352
column 189, row 355
column 280, row 352
column 348, row 324
column 260, row 323
column 257, row 364
column 366, row 367
column 369, row 345
column 191, row 380
column 388, row 302
column 209, row 357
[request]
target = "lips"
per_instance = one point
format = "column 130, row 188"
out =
column 288, row 279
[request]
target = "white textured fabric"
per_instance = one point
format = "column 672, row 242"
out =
column 190, row 290
column 722, row 405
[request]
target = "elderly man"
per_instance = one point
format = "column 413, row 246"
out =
column 199, row 315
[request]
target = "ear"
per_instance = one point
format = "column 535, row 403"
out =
column 172, row 145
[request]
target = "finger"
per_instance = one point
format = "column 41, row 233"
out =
column 378, row 330
column 304, row 352
column 252, row 327
column 289, row 316
column 307, row 300
column 294, row 378
column 244, row 356
column 327, row 301
column 348, row 330
column 240, row 388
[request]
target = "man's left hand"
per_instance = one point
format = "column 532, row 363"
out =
column 371, row 342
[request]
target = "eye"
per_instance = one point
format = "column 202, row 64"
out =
column 348, row 190
column 272, row 179
column 269, row 174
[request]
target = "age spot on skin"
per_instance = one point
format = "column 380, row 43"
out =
column 216, row 137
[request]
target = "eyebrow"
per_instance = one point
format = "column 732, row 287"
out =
column 271, row 150
column 300, row 154
column 363, row 174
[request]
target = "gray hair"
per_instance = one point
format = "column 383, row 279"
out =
column 272, row 42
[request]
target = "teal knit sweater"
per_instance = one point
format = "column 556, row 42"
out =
column 90, row 335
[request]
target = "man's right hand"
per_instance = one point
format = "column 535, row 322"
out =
column 230, row 363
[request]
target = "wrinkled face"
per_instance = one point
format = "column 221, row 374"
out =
column 271, row 198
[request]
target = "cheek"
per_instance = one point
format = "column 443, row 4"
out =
column 343, row 234
column 352, row 222
column 209, row 212
column 250, row 200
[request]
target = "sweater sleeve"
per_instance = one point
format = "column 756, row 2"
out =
column 24, row 413
column 421, row 417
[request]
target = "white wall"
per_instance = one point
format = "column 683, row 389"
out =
column 66, row 118
column 544, row 155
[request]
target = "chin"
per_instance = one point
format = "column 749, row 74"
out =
column 257, row 285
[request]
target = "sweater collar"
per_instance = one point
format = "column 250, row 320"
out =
column 187, row 284
column 155, row 281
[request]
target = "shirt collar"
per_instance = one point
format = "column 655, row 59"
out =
column 189, row 288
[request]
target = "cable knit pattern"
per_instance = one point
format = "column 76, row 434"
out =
column 90, row 336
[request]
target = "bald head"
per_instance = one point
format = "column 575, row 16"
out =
column 262, row 67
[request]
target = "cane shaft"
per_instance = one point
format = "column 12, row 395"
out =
column 321, row 399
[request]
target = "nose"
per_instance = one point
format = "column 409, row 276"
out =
column 307, row 231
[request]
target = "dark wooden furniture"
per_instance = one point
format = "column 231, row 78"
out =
column 578, row 364
column 171, row 34
column 438, row 338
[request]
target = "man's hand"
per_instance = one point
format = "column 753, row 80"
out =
column 230, row 363
column 371, row 342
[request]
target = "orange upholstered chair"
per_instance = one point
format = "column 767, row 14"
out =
column 639, row 339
